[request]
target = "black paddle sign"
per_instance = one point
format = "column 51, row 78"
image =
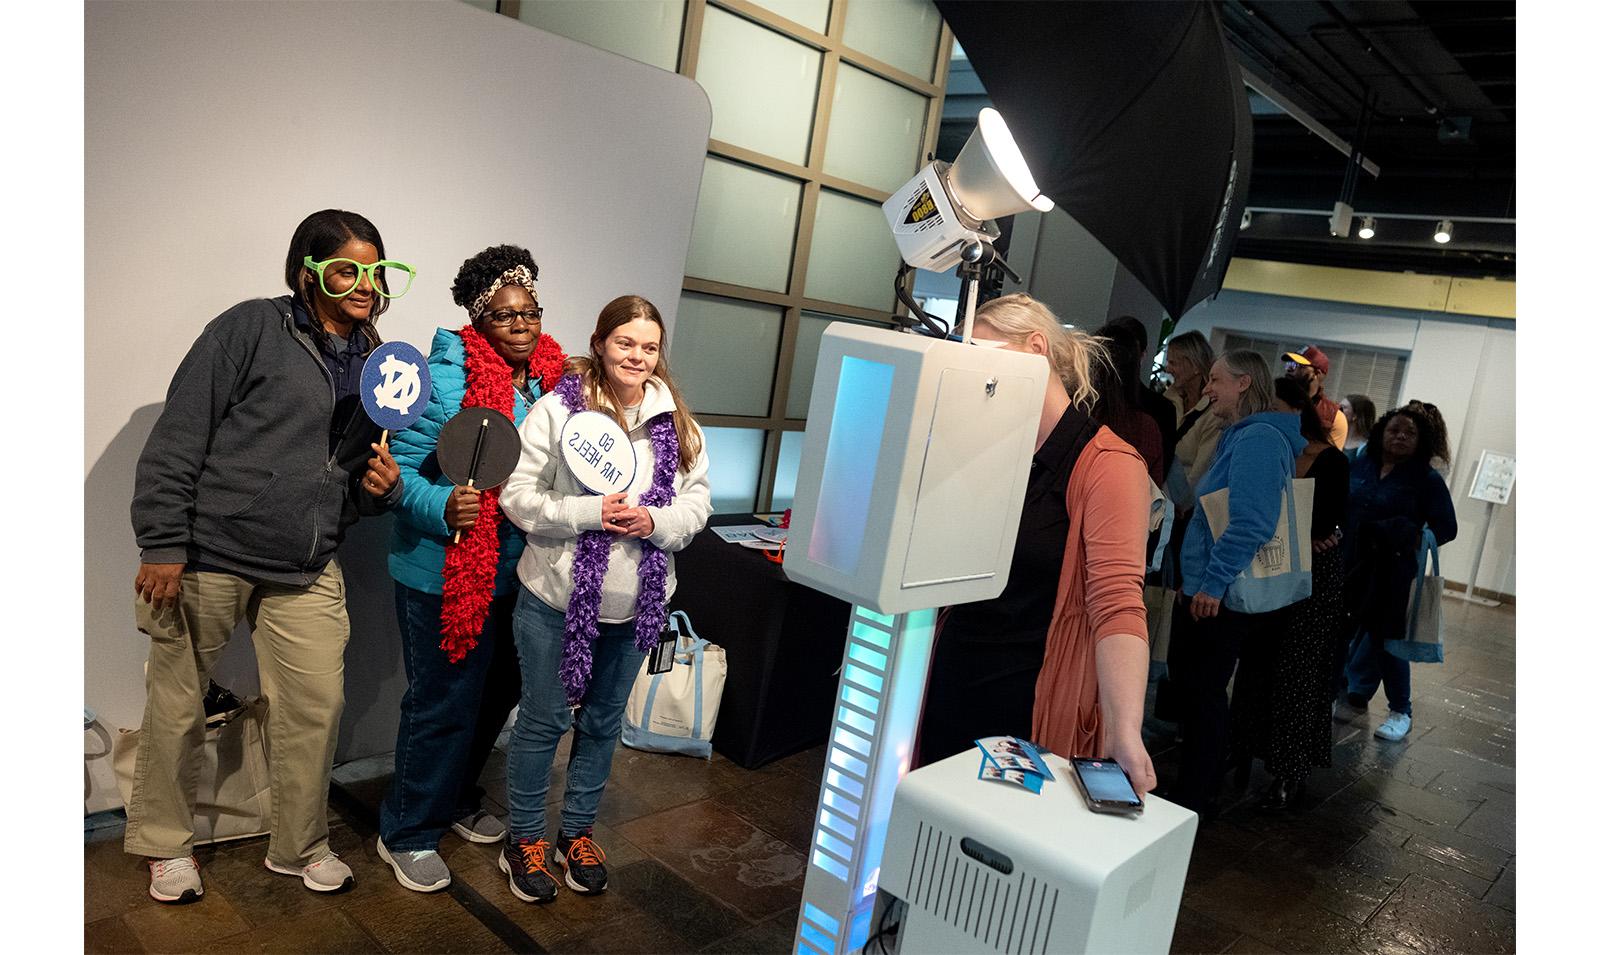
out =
column 478, row 448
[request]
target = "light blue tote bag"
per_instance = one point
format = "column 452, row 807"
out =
column 1424, row 642
column 676, row 711
column 1280, row 572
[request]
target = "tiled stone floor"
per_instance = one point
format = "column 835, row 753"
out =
column 1408, row 848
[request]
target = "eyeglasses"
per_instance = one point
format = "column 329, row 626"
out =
column 340, row 277
column 505, row 317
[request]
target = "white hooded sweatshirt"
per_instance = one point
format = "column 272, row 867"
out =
column 544, row 499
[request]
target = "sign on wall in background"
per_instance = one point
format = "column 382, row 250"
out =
column 1491, row 483
column 1495, row 475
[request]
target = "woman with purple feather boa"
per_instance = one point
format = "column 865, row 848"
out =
column 596, row 577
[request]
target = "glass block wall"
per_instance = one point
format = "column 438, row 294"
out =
column 820, row 110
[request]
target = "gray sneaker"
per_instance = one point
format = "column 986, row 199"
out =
column 1346, row 712
column 327, row 874
column 422, row 871
column 176, row 881
column 481, row 827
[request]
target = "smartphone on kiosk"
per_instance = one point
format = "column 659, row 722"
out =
column 1105, row 786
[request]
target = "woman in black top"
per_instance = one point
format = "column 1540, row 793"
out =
column 1283, row 708
column 989, row 652
column 1029, row 663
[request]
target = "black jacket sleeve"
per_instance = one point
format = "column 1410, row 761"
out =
column 169, row 467
column 366, row 504
column 1438, row 510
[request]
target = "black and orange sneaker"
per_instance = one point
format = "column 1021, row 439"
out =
column 584, row 862
column 523, row 861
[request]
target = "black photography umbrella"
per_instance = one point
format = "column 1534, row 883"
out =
column 1133, row 118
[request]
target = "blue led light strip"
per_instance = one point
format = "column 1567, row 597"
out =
column 869, row 749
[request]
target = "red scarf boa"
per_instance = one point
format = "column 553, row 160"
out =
column 470, row 566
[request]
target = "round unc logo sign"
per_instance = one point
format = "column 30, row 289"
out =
column 395, row 385
column 598, row 452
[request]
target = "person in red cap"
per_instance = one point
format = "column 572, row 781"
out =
column 1310, row 365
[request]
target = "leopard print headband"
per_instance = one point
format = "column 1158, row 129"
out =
column 519, row 275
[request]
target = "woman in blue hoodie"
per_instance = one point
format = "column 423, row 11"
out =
column 454, row 599
column 1254, row 461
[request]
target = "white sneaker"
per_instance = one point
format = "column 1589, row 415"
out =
column 1395, row 727
column 175, row 880
column 327, row 874
column 420, row 871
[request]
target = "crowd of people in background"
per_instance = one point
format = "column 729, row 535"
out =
column 1378, row 493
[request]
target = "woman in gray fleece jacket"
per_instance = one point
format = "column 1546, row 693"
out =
column 261, row 459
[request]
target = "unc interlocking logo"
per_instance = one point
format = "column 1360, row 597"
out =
column 400, row 386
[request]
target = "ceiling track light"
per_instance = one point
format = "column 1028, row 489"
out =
column 1365, row 225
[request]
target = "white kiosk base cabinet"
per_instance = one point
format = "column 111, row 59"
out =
column 979, row 866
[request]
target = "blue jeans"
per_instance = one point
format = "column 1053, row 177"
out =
column 543, row 717
column 1370, row 664
column 450, row 717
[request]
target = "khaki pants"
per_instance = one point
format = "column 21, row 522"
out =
column 300, row 635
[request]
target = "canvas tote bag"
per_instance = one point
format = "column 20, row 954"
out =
column 234, row 797
column 1424, row 642
column 1161, row 515
column 1280, row 572
column 676, row 711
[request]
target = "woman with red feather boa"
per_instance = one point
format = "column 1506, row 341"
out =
column 455, row 600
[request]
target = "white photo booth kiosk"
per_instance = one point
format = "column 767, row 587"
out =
column 910, row 487
column 909, row 494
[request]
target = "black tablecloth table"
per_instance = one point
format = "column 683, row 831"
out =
column 785, row 643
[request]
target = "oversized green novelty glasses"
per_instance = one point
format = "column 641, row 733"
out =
column 339, row 277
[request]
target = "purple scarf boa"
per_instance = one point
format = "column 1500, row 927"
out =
column 593, row 556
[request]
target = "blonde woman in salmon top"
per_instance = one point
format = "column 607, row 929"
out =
column 1062, row 655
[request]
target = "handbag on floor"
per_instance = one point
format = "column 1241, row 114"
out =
column 1424, row 642
column 233, row 799
column 676, row 711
